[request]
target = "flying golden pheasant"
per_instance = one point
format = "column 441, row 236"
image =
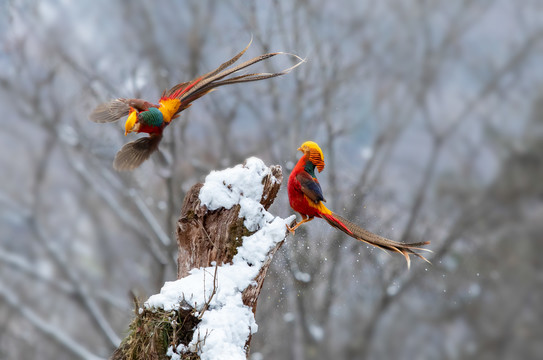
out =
column 146, row 117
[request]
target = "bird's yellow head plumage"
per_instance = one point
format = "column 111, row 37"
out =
column 131, row 121
column 313, row 153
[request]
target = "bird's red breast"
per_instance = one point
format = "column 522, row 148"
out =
column 298, row 200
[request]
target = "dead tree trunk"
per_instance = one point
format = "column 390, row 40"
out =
column 205, row 238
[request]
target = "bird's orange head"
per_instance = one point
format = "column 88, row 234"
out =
column 313, row 153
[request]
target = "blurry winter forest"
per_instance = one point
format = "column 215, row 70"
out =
column 430, row 115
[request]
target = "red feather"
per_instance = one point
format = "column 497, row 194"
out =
column 299, row 202
column 178, row 92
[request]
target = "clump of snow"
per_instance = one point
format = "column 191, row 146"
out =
column 241, row 185
column 176, row 354
column 173, row 355
column 227, row 323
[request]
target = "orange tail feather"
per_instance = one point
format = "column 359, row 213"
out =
column 368, row 237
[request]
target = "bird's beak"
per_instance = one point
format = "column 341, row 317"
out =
column 130, row 122
column 300, row 149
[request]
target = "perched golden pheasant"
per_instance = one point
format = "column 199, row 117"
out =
column 305, row 197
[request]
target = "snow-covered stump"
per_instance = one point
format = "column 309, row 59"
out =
column 226, row 240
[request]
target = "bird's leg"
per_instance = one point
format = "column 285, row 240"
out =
column 305, row 219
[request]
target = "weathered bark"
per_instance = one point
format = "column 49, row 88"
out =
column 203, row 237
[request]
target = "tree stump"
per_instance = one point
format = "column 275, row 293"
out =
column 205, row 238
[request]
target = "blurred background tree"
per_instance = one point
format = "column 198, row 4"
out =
column 430, row 117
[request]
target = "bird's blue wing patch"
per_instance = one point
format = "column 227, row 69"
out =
column 310, row 187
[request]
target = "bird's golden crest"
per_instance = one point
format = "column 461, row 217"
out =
column 314, row 153
column 131, row 121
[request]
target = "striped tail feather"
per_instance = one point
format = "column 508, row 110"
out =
column 189, row 92
column 368, row 237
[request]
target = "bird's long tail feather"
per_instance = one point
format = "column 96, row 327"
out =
column 208, row 82
column 368, row 237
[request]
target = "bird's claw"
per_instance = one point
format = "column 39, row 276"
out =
column 291, row 230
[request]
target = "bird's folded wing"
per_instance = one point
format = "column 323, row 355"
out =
column 310, row 187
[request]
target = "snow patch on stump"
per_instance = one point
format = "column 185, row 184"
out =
column 241, row 185
column 227, row 323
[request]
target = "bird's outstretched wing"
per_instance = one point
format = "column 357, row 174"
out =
column 117, row 108
column 136, row 152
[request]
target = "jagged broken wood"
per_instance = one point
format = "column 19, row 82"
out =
column 206, row 238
